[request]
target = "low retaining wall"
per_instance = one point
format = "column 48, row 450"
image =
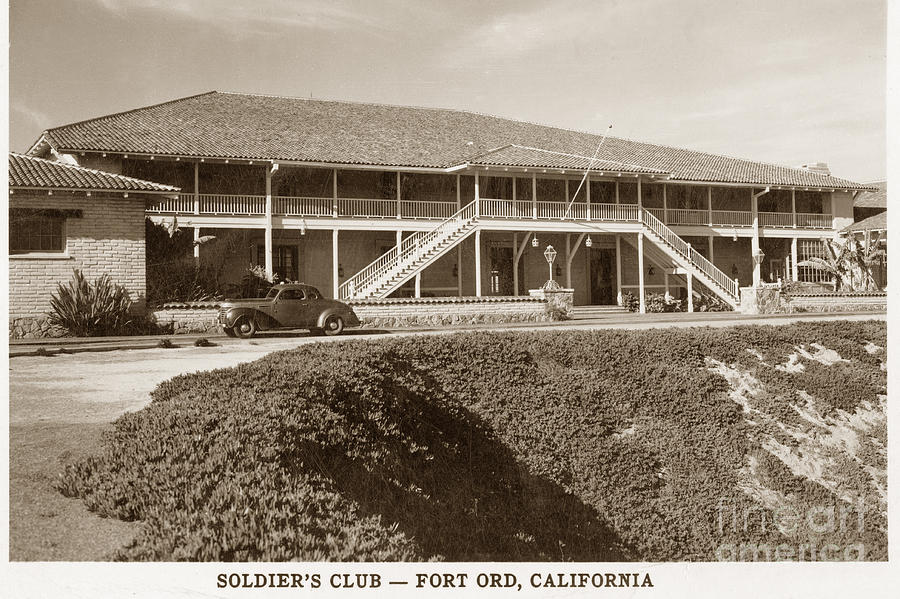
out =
column 448, row 311
column 200, row 317
column 187, row 317
column 771, row 300
column 33, row 327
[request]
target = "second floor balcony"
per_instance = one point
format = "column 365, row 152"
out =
column 493, row 208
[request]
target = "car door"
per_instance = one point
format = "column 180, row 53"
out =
column 291, row 307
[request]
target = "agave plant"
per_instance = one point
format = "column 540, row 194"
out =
column 87, row 309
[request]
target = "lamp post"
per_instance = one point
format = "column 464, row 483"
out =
column 550, row 255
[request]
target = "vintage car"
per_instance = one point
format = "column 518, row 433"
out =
column 294, row 306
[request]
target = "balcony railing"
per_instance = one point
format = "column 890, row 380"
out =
column 319, row 207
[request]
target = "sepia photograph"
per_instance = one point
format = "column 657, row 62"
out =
column 405, row 298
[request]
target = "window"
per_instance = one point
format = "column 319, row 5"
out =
column 284, row 260
column 292, row 294
column 36, row 231
column 806, row 249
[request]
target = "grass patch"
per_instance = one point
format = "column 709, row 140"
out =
column 589, row 446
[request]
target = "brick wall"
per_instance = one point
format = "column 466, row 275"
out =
column 108, row 239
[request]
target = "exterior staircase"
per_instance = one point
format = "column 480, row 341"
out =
column 401, row 263
column 690, row 259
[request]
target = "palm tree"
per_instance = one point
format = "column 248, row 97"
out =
column 867, row 256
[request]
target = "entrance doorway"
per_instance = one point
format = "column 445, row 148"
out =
column 501, row 280
column 602, row 272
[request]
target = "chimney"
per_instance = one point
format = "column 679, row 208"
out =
column 817, row 167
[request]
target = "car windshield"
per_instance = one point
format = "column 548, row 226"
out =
column 272, row 293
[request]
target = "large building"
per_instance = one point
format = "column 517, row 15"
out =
column 367, row 200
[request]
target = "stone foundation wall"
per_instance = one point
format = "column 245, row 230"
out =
column 449, row 311
column 33, row 327
column 187, row 317
column 772, row 300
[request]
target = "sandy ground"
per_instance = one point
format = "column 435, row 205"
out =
column 61, row 404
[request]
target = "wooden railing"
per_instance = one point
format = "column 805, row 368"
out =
column 183, row 202
column 428, row 209
column 232, row 204
column 303, row 206
column 776, row 219
column 814, row 221
column 412, row 249
column 693, row 256
column 323, row 207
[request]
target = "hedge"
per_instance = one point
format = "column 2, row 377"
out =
column 575, row 445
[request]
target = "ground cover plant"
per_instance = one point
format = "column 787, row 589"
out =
column 672, row 444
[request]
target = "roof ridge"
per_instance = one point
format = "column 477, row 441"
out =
column 116, row 114
column 78, row 167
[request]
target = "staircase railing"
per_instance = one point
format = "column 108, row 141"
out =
column 693, row 256
column 410, row 250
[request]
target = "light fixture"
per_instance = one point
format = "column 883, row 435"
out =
column 734, row 235
column 534, row 241
column 550, row 255
column 588, row 242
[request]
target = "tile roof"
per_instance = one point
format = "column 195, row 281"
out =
column 256, row 127
column 876, row 222
column 873, row 199
column 521, row 156
column 32, row 172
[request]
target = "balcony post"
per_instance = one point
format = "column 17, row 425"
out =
column 665, row 206
column 569, row 260
column 459, row 271
column 399, row 211
column 419, row 284
column 534, row 196
column 269, row 249
column 643, row 303
column 794, row 208
column 196, row 210
column 587, row 197
column 477, row 200
column 712, row 256
column 709, row 203
column 458, row 196
column 754, row 243
column 618, row 268
column 334, row 262
column 477, row 261
column 334, row 196
column 795, row 270
column 640, row 205
column 690, row 291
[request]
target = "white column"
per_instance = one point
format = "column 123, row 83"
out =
column 794, row 208
column 398, row 195
column 643, row 303
column 618, row 266
column 458, row 197
column 587, row 196
column 196, row 210
column 334, row 262
column 665, row 206
column 640, row 200
column 666, row 281
column 534, row 196
column 795, row 270
column 754, row 245
column 269, row 249
column 617, row 192
column 459, row 270
column 419, row 284
column 477, row 262
column 568, row 259
column 709, row 204
column 399, row 239
column 334, row 198
column 515, row 253
column 712, row 256
column 690, row 291
column 477, row 197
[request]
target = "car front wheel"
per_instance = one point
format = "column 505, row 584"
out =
column 229, row 331
column 334, row 325
column 245, row 327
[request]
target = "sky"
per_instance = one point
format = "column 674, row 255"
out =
column 782, row 81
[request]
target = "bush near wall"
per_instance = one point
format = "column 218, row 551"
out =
column 599, row 445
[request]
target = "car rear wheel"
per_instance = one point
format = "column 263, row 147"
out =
column 245, row 327
column 229, row 331
column 334, row 325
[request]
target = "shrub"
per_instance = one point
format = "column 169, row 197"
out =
column 165, row 344
column 203, row 342
column 631, row 302
column 552, row 445
column 87, row 309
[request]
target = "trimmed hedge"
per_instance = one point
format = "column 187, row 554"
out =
column 552, row 445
